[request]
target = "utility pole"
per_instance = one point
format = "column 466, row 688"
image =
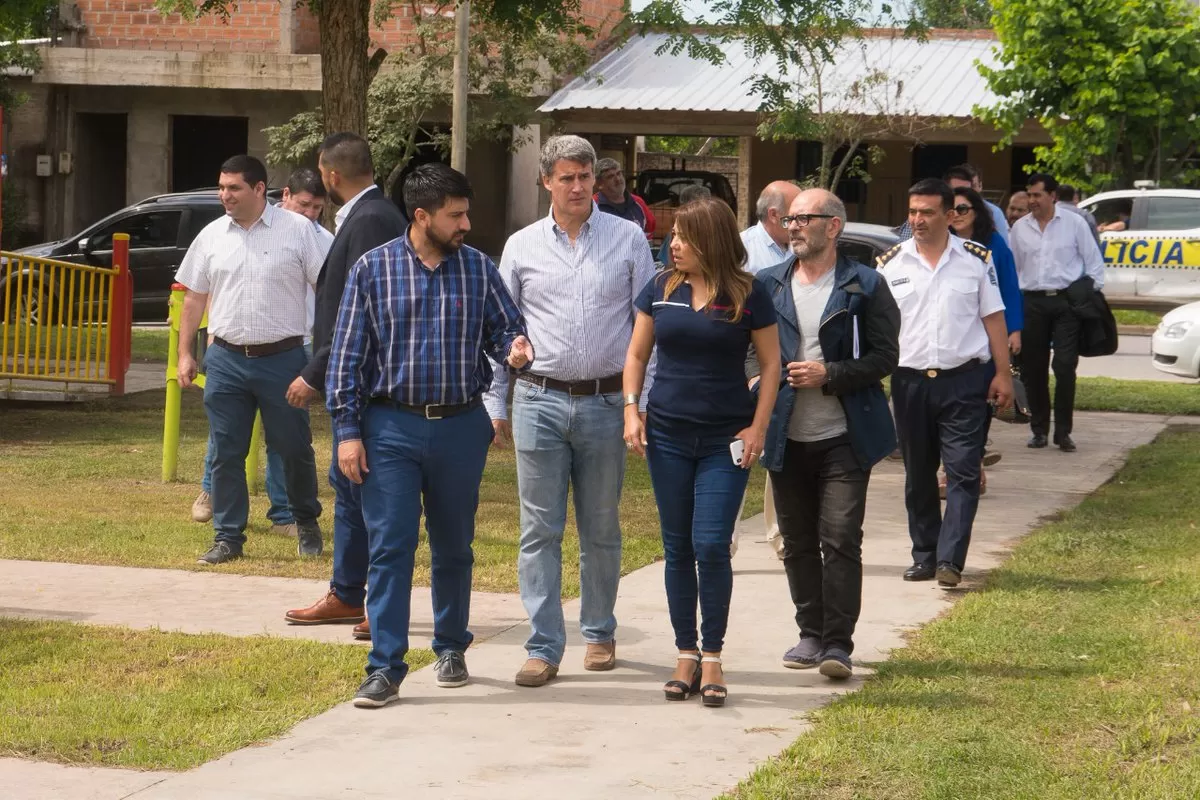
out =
column 458, row 117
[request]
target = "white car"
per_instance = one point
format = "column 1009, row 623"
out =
column 1152, row 243
column 1175, row 347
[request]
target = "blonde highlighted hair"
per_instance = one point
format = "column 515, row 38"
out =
column 709, row 228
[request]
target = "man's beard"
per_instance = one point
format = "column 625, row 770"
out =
column 806, row 249
column 448, row 246
column 336, row 197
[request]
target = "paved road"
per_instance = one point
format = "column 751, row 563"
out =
column 1130, row 362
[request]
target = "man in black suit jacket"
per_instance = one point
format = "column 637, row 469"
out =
column 366, row 220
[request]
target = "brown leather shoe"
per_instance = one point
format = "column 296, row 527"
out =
column 362, row 631
column 601, row 656
column 326, row 611
column 536, row 673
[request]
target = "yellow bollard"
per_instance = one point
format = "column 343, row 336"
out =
column 174, row 403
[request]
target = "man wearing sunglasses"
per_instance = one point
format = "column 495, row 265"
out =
column 838, row 329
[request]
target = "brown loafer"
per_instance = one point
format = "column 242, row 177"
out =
column 329, row 610
column 600, row 656
column 362, row 631
column 536, row 673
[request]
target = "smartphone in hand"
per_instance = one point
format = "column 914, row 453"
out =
column 737, row 448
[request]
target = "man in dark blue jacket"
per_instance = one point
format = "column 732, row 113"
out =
column 839, row 333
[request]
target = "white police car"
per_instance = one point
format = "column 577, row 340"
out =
column 1151, row 242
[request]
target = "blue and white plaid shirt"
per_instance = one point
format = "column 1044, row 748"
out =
column 418, row 336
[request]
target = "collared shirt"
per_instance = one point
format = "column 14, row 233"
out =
column 416, row 335
column 1088, row 217
column 577, row 297
column 325, row 238
column 942, row 307
column 761, row 250
column 1058, row 256
column 257, row 279
column 344, row 211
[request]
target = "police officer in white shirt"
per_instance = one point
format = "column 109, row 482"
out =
column 1053, row 248
column 953, row 361
column 257, row 263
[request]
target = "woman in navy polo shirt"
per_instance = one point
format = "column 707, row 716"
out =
column 703, row 312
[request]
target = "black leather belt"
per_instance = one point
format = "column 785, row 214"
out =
column 909, row 372
column 1044, row 292
column 613, row 383
column 432, row 411
column 260, row 350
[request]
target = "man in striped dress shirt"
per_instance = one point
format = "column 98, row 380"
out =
column 574, row 274
column 406, row 375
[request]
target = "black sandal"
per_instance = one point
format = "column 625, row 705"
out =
column 719, row 691
column 680, row 690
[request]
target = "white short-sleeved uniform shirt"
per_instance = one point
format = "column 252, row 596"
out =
column 942, row 307
column 257, row 279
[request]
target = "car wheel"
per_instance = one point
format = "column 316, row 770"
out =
column 26, row 307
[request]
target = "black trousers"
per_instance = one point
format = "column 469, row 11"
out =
column 820, row 499
column 942, row 420
column 1049, row 320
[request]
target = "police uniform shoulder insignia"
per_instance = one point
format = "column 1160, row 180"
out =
column 977, row 250
column 887, row 256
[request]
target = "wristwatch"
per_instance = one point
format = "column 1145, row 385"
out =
column 631, row 399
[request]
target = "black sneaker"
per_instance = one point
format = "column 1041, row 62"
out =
column 948, row 576
column 377, row 691
column 308, row 539
column 451, row 670
column 219, row 553
column 805, row 655
column 835, row 663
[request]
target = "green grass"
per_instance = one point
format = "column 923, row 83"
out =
column 150, row 345
column 1140, row 397
column 80, row 694
column 147, row 345
column 1131, row 317
column 1073, row 673
column 81, row 484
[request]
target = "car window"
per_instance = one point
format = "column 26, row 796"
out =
column 1107, row 212
column 861, row 252
column 158, row 228
column 198, row 217
column 1172, row 213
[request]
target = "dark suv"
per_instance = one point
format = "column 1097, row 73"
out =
column 160, row 230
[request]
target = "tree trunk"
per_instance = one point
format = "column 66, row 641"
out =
column 345, row 37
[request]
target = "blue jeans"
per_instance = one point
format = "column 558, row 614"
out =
column 280, row 513
column 235, row 387
column 699, row 492
column 350, row 554
column 560, row 441
column 411, row 459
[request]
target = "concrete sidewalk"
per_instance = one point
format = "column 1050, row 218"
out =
column 606, row 735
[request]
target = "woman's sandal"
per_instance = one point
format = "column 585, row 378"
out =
column 719, row 691
column 681, row 690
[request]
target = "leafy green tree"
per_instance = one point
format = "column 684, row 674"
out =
column 20, row 19
column 692, row 145
column 794, row 43
column 966, row 14
column 1115, row 83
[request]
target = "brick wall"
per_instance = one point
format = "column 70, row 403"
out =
column 137, row 25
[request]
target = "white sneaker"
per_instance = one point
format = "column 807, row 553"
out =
column 733, row 544
column 202, row 508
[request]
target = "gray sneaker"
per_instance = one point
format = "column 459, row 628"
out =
column 835, row 663
column 805, row 655
column 308, row 539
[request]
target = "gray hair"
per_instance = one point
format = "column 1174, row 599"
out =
column 566, row 148
column 694, row 191
column 770, row 198
column 833, row 205
column 605, row 164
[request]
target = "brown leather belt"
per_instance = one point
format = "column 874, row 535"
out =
column 613, row 383
column 909, row 372
column 260, row 350
column 432, row 411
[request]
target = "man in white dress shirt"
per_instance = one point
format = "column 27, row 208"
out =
column 953, row 361
column 766, row 241
column 257, row 264
column 574, row 275
column 1053, row 248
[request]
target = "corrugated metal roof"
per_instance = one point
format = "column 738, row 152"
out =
column 936, row 78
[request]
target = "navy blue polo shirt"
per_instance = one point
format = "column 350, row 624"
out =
column 700, row 381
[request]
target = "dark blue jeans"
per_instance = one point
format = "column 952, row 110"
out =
column 942, row 419
column 280, row 512
column 350, row 555
column 412, row 459
column 235, row 387
column 699, row 492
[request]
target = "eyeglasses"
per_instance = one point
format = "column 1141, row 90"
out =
column 963, row 209
column 802, row 219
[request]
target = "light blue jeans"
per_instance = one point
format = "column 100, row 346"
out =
column 561, row 441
